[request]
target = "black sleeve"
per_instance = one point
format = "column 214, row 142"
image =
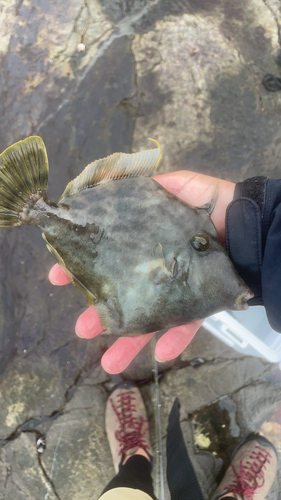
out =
column 253, row 241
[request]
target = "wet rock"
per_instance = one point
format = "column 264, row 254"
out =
column 94, row 107
column 206, row 346
column 96, row 377
column 21, row 472
column 77, row 455
column 187, row 73
column 256, row 403
column 27, row 392
column 219, row 60
column 198, row 387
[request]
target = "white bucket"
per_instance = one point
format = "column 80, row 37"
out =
column 248, row 332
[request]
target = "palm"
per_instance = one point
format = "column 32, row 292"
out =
column 195, row 189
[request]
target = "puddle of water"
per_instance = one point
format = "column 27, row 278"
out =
column 229, row 405
column 216, row 429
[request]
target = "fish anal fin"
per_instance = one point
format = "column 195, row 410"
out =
column 91, row 299
column 113, row 167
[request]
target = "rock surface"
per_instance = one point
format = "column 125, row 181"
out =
column 94, row 78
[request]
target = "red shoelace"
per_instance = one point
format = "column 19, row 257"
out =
column 251, row 474
column 130, row 433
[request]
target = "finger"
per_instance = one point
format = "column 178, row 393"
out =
column 58, row 277
column 191, row 187
column 118, row 357
column 174, row 342
column 88, row 324
column 198, row 189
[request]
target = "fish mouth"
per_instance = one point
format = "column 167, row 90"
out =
column 241, row 300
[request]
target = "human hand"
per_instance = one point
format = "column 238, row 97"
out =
column 195, row 189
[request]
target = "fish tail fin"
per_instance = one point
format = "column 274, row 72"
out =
column 24, row 171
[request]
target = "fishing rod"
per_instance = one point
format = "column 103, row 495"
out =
column 158, row 433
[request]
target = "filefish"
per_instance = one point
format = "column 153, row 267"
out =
column 146, row 259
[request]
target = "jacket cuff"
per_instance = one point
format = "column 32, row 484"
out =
column 244, row 235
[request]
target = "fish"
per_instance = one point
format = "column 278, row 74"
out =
column 147, row 260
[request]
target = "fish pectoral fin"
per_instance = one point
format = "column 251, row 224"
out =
column 167, row 268
column 173, row 267
column 166, row 273
column 162, row 276
column 158, row 252
column 113, row 167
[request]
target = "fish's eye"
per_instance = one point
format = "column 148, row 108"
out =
column 200, row 242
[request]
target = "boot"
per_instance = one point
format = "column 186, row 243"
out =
column 252, row 470
column 126, row 423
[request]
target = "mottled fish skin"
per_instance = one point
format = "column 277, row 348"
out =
column 147, row 260
column 128, row 243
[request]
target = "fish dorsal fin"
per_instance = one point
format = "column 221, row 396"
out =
column 115, row 166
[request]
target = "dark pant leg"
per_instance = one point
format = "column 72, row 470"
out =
column 136, row 474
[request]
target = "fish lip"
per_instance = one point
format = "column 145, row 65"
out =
column 241, row 300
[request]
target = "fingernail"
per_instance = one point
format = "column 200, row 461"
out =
column 158, row 360
column 57, row 276
column 88, row 324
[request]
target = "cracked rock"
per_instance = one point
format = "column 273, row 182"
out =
column 187, row 73
column 23, row 475
column 256, row 403
column 208, row 347
column 77, row 455
column 198, row 387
